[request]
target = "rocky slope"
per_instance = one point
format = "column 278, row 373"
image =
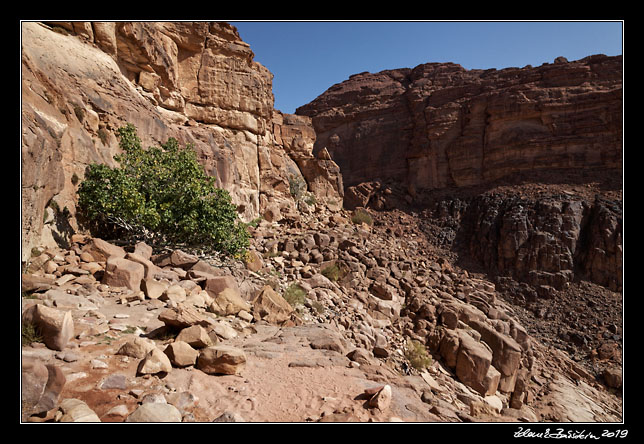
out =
column 132, row 334
column 477, row 286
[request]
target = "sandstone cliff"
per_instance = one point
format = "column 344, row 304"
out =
column 439, row 125
column 196, row 82
column 327, row 318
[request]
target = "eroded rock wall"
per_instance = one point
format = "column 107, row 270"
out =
column 194, row 81
column 439, row 125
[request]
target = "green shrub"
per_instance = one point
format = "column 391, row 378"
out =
column 162, row 190
column 297, row 186
column 417, row 355
column 294, row 295
column 360, row 215
column 30, row 334
column 333, row 272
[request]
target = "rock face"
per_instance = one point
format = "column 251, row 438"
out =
column 439, row 125
column 546, row 241
column 194, row 81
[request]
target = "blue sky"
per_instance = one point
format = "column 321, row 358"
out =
column 306, row 58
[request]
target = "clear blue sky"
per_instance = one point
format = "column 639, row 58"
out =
column 306, row 58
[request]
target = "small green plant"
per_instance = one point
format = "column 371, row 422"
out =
column 333, row 272
column 162, row 190
column 318, row 307
column 30, row 334
column 360, row 215
column 59, row 30
column 310, row 199
column 80, row 113
column 129, row 330
column 255, row 222
column 102, row 135
column 295, row 295
column 417, row 355
column 297, row 186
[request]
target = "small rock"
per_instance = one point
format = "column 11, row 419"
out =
column 229, row 417
column 152, row 398
column 115, row 381
column 155, row 412
column 136, row 348
column 155, row 362
column 381, row 399
column 196, row 336
column 98, row 364
column 75, row 410
column 119, row 410
column 181, row 354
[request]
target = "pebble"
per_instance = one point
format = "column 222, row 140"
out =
column 97, row 364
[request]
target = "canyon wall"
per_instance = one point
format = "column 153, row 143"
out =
column 196, row 82
column 439, row 125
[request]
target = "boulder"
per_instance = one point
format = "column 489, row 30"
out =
column 182, row 316
column 154, row 362
column 271, row 307
column 55, row 326
column 221, row 359
column 217, row 284
column 613, row 377
column 155, row 412
column 136, row 347
column 102, row 250
column 153, row 289
column 143, row 250
column 473, row 363
column 75, row 410
column 229, row 302
column 150, row 269
column 505, row 350
column 253, row 261
column 41, row 386
column 181, row 354
column 121, row 272
column 174, row 293
column 177, row 258
column 382, row 399
column 196, row 336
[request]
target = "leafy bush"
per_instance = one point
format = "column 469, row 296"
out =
column 360, row 215
column 417, row 355
column 163, row 190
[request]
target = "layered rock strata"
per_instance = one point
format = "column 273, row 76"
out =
column 439, row 125
column 194, row 81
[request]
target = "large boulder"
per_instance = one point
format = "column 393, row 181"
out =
column 41, row 385
column 55, row 326
column 473, row 363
